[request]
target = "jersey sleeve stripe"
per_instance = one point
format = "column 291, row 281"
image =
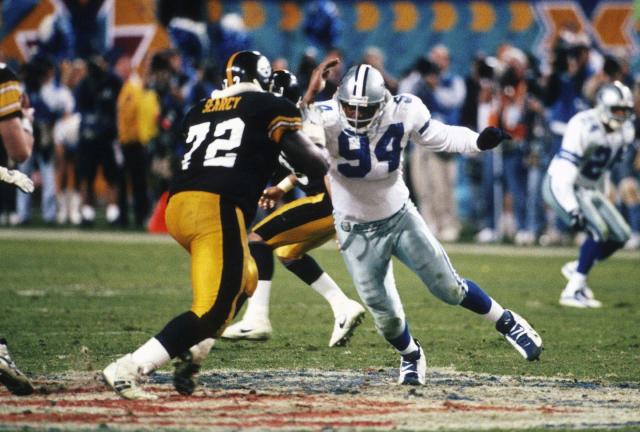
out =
column 573, row 161
column 276, row 133
column 572, row 157
column 424, row 128
column 279, row 119
column 10, row 108
column 10, row 93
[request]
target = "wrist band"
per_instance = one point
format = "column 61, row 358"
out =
column 286, row 184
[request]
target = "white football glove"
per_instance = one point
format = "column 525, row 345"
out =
column 17, row 178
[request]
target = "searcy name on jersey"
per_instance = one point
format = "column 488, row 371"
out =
column 221, row 104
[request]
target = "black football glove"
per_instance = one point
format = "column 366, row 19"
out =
column 491, row 137
column 578, row 222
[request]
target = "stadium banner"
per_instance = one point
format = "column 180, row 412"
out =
column 404, row 29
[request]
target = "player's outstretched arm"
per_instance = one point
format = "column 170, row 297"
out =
column 318, row 80
column 304, row 155
column 491, row 137
column 17, row 178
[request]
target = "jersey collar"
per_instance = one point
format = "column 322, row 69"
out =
column 235, row 89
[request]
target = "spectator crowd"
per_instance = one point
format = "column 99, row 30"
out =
column 108, row 134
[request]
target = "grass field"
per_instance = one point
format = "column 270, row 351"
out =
column 75, row 305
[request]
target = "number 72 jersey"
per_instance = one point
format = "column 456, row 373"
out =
column 366, row 168
column 232, row 145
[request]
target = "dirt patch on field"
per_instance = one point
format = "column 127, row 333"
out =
column 322, row 400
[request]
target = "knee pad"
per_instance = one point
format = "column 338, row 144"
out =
column 389, row 327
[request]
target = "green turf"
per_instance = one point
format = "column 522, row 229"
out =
column 78, row 305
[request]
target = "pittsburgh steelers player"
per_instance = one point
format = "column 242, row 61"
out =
column 16, row 134
column 291, row 231
column 234, row 139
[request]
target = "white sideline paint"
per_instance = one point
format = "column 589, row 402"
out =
column 145, row 238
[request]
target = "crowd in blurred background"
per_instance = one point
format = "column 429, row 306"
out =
column 108, row 135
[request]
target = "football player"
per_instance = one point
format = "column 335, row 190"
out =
column 366, row 131
column 292, row 231
column 574, row 186
column 16, row 134
column 233, row 139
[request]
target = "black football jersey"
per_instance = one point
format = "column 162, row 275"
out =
column 10, row 94
column 233, row 145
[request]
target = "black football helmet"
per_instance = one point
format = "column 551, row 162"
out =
column 248, row 66
column 284, row 83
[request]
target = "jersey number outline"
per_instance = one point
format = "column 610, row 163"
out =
column 597, row 163
column 227, row 136
column 387, row 149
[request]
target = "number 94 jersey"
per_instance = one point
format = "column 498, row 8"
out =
column 232, row 144
column 366, row 168
column 591, row 148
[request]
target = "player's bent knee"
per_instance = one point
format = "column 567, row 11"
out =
column 449, row 291
column 389, row 327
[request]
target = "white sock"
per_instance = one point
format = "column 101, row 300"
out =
column 412, row 347
column 150, row 356
column 200, row 351
column 258, row 303
column 495, row 312
column 577, row 281
column 329, row 289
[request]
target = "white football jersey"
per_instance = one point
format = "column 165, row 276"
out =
column 591, row 148
column 366, row 169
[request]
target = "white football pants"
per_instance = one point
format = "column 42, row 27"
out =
column 367, row 249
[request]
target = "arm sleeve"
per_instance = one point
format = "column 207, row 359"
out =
column 285, row 117
column 10, row 94
column 445, row 138
column 438, row 136
column 562, row 184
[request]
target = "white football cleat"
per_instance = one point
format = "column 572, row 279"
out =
column 346, row 322
column 413, row 368
column 10, row 375
column 123, row 376
column 581, row 298
column 249, row 329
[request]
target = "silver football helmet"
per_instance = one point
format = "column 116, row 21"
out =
column 362, row 96
column 614, row 103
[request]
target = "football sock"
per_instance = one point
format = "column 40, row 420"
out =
column 150, row 356
column 327, row 288
column 404, row 343
column 578, row 280
column 306, row 268
column 263, row 256
column 182, row 332
column 200, row 351
column 608, row 248
column 258, row 303
column 479, row 302
column 590, row 251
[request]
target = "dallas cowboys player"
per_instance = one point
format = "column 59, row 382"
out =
column 366, row 131
column 595, row 139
